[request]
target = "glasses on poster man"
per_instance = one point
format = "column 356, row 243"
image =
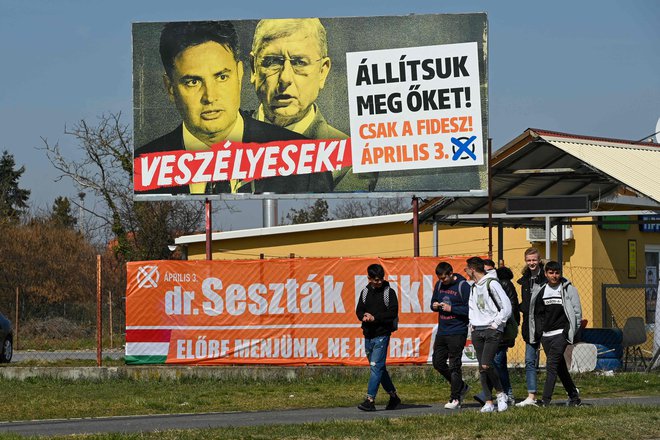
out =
column 273, row 64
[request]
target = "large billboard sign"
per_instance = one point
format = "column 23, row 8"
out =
column 285, row 311
column 333, row 106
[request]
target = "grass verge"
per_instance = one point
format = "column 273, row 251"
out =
column 45, row 398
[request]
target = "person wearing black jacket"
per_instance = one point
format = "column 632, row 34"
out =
column 378, row 310
column 532, row 279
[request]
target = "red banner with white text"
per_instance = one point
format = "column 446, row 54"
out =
column 282, row 311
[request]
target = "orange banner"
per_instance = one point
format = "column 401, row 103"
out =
column 282, row 311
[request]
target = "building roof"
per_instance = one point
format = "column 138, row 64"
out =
column 305, row 227
column 613, row 173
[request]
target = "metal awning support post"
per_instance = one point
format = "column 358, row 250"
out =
column 435, row 238
column 548, row 237
column 500, row 243
column 490, row 202
column 560, row 242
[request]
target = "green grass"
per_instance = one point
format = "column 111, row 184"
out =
column 41, row 398
column 622, row 422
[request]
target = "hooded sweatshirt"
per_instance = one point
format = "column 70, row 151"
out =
column 457, row 294
column 484, row 313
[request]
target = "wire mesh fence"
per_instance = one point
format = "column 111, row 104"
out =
column 53, row 331
column 620, row 321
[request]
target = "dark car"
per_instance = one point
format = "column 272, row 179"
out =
column 6, row 338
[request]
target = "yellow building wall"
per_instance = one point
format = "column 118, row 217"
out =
column 610, row 255
column 593, row 258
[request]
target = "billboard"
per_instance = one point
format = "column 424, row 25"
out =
column 278, row 312
column 280, row 108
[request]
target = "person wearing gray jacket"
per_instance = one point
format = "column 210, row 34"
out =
column 556, row 313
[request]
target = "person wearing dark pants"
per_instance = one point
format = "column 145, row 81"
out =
column 489, row 309
column 378, row 308
column 558, row 312
column 504, row 275
column 450, row 298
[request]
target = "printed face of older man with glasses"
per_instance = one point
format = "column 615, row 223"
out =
column 289, row 68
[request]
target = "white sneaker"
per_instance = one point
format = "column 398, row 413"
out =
column 527, row 402
column 487, row 408
column 454, row 404
column 501, row 402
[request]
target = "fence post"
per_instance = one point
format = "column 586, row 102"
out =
column 99, row 321
column 110, row 315
column 16, row 322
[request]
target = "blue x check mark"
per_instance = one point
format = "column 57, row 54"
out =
column 463, row 147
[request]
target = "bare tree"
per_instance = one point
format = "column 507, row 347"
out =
column 142, row 230
column 354, row 208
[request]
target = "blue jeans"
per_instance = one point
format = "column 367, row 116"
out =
column 376, row 349
column 500, row 363
column 531, row 364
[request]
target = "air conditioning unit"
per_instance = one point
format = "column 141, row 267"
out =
column 538, row 234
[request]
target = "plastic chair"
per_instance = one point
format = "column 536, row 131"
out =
column 583, row 357
column 634, row 334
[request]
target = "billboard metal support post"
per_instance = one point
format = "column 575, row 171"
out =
column 207, row 206
column 415, row 206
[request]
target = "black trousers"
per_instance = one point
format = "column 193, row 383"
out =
column 486, row 343
column 447, row 354
column 554, row 347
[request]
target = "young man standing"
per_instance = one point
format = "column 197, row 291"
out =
column 530, row 284
column 378, row 310
column 489, row 310
column 557, row 314
column 451, row 295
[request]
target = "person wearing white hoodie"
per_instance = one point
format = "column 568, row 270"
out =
column 489, row 310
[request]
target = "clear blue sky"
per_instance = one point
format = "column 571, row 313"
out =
column 584, row 67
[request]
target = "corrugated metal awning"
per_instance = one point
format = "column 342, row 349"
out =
column 635, row 166
column 545, row 163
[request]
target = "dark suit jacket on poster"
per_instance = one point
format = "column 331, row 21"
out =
column 345, row 180
column 254, row 131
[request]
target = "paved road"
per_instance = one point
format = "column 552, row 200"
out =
column 132, row 424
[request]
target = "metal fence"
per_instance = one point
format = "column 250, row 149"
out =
column 620, row 324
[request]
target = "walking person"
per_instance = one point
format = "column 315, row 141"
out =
column 501, row 361
column 489, row 309
column 450, row 299
column 557, row 312
column 532, row 279
column 378, row 310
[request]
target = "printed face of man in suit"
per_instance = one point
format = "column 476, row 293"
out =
column 205, row 86
column 288, row 73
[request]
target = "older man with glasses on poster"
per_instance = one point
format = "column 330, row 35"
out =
column 290, row 65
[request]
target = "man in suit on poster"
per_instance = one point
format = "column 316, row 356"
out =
column 290, row 66
column 203, row 75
